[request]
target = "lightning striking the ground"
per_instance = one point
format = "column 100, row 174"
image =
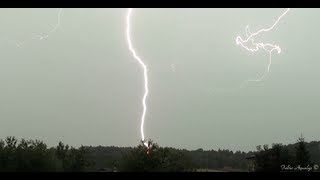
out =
column 248, row 43
column 145, row 74
column 46, row 35
column 256, row 46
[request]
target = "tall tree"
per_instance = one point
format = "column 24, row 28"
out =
column 157, row 159
column 302, row 154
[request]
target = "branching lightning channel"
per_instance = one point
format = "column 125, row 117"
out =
column 145, row 73
column 260, row 45
column 44, row 36
column 41, row 37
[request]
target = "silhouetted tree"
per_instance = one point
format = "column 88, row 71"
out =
column 302, row 155
column 158, row 160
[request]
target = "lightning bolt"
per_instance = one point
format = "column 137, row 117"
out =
column 145, row 74
column 41, row 37
column 260, row 45
column 250, row 37
column 44, row 36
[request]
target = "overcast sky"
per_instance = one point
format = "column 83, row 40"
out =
column 82, row 86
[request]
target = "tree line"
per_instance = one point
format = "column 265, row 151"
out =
column 34, row 155
column 299, row 157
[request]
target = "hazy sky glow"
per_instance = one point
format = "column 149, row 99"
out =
column 81, row 85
